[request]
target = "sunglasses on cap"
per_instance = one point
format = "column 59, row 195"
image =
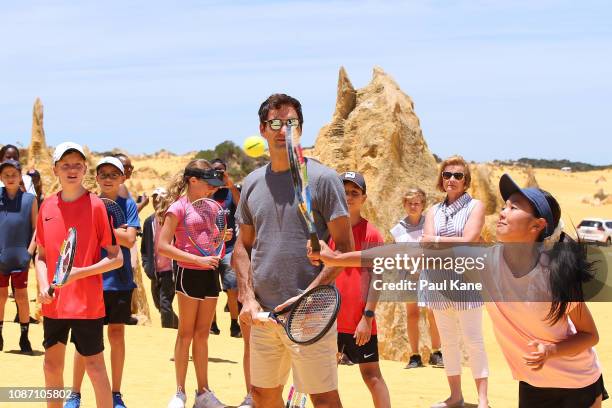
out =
column 446, row 175
column 277, row 124
column 212, row 176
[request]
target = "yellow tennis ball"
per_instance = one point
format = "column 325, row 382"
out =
column 254, row 146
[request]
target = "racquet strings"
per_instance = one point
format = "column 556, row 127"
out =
column 115, row 212
column 313, row 314
column 205, row 224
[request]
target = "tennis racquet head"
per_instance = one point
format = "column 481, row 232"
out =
column 299, row 177
column 64, row 261
column 206, row 226
column 309, row 318
column 115, row 212
column 117, row 218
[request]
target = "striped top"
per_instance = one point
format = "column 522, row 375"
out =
column 449, row 221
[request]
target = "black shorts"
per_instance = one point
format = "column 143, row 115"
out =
column 86, row 334
column 118, row 305
column 532, row 397
column 368, row 353
column 197, row 283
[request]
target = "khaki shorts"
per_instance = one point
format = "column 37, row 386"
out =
column 314, row 366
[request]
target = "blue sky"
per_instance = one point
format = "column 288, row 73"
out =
column 490, row 79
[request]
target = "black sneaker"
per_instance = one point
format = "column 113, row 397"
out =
column 436, row 360
column 214, row 329
column 235, row 331
column 24, row 345
column 32, row 320
column 415, row 361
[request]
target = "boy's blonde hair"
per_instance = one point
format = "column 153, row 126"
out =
column 414, row 192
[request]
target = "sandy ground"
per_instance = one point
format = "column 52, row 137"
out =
column 149, row 373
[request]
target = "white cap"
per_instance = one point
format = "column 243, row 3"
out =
column 112, row 161
column 161, row 191
column 62, row 148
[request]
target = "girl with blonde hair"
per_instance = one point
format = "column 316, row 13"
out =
column 197, row 283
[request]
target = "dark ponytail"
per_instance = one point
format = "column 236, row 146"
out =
column 568, row 268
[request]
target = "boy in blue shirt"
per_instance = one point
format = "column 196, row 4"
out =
column 118, row 284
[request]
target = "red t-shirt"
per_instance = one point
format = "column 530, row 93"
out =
column 81, row 299
column 353, row 283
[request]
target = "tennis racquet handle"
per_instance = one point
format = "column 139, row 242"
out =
column 314, row 242
column 264, row 316
column 51, row 290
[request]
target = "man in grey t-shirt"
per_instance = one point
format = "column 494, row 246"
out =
column 272, row 267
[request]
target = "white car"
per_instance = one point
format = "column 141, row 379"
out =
column 595, row 230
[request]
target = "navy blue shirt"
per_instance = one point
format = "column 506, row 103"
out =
column 15, row 230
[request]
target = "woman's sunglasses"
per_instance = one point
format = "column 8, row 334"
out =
column 446, row 175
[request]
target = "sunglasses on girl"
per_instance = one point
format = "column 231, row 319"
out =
column 446, row 175
column 277, row 124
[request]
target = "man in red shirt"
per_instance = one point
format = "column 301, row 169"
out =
column 356, row 323
column 77, row 307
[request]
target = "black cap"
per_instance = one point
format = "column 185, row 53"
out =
column 355, row 178
column 10, row 162
column 211, row 176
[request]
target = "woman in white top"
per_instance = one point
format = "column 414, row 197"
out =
column 459, row 218
column 410, row 229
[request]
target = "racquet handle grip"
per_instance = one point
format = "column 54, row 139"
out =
column 314, row 242
column 263, row 316
column 51, row 290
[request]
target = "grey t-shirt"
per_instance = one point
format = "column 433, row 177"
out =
column 267, row 202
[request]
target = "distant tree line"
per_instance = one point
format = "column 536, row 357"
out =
column 239, row 164
column 553, row 164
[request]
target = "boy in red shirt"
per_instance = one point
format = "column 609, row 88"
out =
column 356, row 323
column 77, row 307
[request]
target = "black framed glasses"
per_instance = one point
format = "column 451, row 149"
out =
column 446, row 175
column 277, row 124
column 112, row 176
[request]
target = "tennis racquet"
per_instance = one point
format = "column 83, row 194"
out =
column 206, row 225
column 310, row 317
column 115, row 212
column 299, row 176
column 64, row 261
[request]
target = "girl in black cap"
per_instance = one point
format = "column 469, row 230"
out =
column 197, row 283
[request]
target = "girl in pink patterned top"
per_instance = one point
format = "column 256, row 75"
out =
column 197, row 282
